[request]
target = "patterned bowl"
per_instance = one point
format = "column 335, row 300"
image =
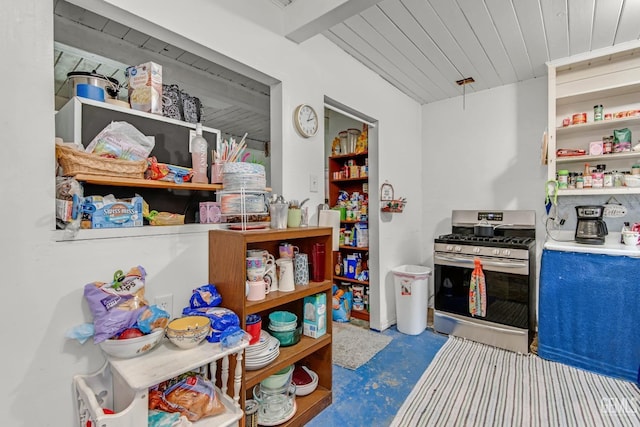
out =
column 189, row 331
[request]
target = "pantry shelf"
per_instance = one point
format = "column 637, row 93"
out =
column 144, row 183
column 346, row 279
column 599, row 125
column 614, row 156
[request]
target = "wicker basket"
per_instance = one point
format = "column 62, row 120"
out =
column 76, row 162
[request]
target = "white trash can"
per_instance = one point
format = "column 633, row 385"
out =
column 411, row 283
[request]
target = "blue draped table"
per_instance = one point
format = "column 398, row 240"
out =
column 589, row 312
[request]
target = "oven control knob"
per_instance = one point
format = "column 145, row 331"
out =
column 476, row 250
column 449, row 248
column 496, row 251
column 506, row 252
column 458, row 248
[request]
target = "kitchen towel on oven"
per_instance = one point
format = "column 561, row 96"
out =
column 477, row 291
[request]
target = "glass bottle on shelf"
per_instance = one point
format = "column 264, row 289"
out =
column 339, row 267
column 199, row 149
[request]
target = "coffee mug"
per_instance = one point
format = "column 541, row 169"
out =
column 301, row 269
column 630, row 238
column 258, row 290
column 285, row 275
column 271, row 277
column 255, row 268
column 260, row 252
column 287, row 250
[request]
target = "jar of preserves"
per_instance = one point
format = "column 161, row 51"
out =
column 563, row 178
column 597, row 113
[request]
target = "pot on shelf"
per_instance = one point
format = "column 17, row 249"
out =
column 110, row 85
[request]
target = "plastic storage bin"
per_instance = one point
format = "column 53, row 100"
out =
column 411, row 283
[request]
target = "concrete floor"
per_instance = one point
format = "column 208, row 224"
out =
column 371, row 395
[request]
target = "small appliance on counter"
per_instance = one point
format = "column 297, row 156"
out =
column 590, row 228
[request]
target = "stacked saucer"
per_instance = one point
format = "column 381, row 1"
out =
column 260, row 354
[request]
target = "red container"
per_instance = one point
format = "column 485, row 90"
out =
column 317, row 262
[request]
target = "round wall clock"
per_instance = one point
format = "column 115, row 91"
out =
column 306, row 120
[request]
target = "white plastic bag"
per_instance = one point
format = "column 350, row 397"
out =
column 121, row 140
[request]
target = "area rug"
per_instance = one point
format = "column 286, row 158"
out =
column 472, row 384
column 353, row 346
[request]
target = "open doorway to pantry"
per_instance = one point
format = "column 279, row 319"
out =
column 351, row 141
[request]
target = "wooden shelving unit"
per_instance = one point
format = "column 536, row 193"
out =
column 611, row 80
column 227, row 270
column 350, row 185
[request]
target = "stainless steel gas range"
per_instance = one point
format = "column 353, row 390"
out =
column 506, row 251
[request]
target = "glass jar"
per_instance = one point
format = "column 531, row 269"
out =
column 579, row 182
column 618, row 179
column 635, row 169
column 608, row 179
column 572, row 180
column 597, row 113
column 563, row 178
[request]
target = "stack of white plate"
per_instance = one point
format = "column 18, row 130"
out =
column 260, row 354
column 248, row 181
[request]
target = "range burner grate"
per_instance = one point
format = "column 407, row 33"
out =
column 487, row 241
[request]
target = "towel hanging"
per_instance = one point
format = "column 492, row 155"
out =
column 477, row 291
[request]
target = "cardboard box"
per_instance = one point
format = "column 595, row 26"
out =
column 121, row 214
column 145, row 87
column 315, row 315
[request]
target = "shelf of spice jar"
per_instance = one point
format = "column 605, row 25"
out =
column 589, row 158
column 600, row 124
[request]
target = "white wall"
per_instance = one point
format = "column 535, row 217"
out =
column 485, row 156
column 43, row 279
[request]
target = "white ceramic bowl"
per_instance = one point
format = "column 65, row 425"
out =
column 132, row 347
column 303, row 390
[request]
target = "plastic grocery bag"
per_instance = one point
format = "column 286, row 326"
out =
column 121, row 140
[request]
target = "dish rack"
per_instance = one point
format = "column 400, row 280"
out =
column 122, row 385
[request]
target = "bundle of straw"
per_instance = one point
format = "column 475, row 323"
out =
column 231, row 151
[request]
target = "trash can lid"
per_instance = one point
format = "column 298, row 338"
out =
column 412, row 271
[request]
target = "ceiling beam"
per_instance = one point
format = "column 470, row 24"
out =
column 304, row 19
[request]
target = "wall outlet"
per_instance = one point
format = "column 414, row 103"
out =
column 313, row 183
column 165, row 302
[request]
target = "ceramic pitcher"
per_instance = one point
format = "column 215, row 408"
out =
column 285, row 276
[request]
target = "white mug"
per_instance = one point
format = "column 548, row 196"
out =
column 285, row 276
column 258, row 290
column 271, row 277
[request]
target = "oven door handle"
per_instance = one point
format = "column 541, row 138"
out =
column 484, row 262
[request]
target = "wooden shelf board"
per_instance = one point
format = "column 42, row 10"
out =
column 589, row 159
column 144, row 183
column 345, row 279
column 288, row 356
column 147, row 183
column 349, row 155
column 278, row 298
column 351, row 221
column 353, row 248
column 599, row 125
column 360, row 178
column 360, row 314
column 309, row 406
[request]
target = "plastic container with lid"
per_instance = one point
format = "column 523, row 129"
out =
column 635, row 169
column 563, row 178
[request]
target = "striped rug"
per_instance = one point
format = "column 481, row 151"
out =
column 472, row 384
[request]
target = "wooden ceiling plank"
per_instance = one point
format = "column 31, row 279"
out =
column 411, row 28
column 605, row 23
column 378, row 64
column 115, row 29
column 529, row 18
column 580, row 25
column 441, row 36
column 154, row 45
column 461, row 31
column 628, row 28
column 554, row 14
column 506, row 25
column 390, row 31
column 478, row 17
column 367, row 32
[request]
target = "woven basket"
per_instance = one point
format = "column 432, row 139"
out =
column 76, row 162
